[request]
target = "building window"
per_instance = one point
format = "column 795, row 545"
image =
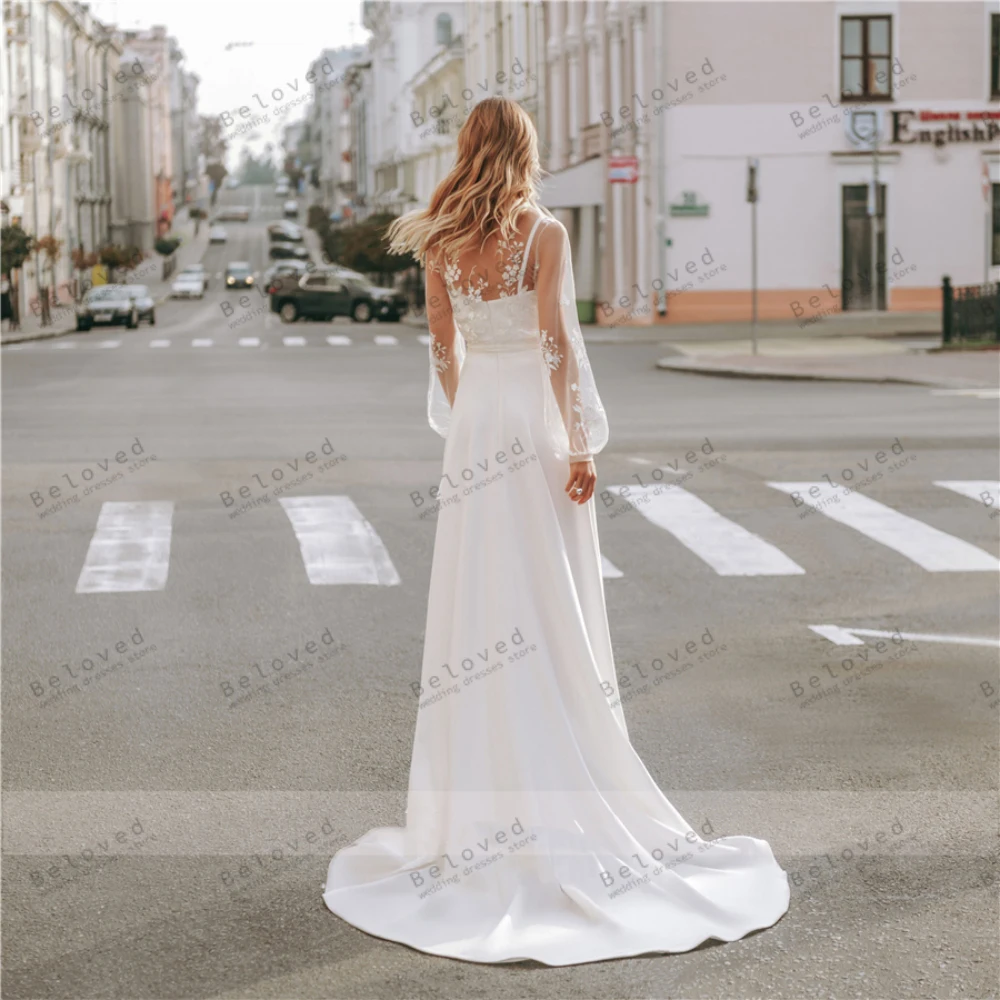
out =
column 994, row 55
column 443, row 29
column 866, row 58
column 995, row 257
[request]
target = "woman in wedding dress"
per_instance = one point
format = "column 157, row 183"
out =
column 533, row 830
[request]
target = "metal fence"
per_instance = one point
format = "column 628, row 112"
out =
column 970, row 313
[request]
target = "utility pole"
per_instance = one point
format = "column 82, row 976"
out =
column 752, row 165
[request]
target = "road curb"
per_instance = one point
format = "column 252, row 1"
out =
column 694, row 368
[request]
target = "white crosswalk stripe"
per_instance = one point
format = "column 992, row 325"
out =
column 130, row 549
column 339, row 340
column 159, row 343
column 986, row 491
column 609, row 570
column 338, row 545
column 249, row 341
column 931, row 549
column 727, row 547
column 424, row 339
column 294, row 341
column 202, row 342
column 385, row 340
column 110, row 344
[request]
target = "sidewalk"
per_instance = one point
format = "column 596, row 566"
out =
column 846, row 359
column 147, row 273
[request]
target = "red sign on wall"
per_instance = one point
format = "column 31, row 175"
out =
column 623, row 169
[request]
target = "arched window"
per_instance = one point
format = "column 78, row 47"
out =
column 443, row 28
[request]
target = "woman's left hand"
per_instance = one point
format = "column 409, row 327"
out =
column 582, row 479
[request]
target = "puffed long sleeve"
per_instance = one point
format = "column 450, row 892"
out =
column 584, row 425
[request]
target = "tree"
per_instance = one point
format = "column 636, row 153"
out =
column 15, row 248
column 363, row 247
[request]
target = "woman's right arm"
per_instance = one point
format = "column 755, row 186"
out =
column 441, row 324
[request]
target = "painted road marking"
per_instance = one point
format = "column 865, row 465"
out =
column 130, row 549
column 931, row 549
column 294, row 341
column 339, row 340
column 110, row 343
column 609, row 570
column 249, row 341
column 845, row 636
column 201, row 342
column 338, row 545
column 977, row 393
column 424, row 339
column 159, row 343
column 986, row 491
column 727, row 547
column 63, row 345
column 385, row 340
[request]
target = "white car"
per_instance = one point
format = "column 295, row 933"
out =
column 291, row 209
column 217, row 234
column 189, row 284
column 281, row 188
column 197, row 269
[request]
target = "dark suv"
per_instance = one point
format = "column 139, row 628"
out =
column 325, row 295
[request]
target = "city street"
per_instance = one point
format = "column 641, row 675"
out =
column 217, row 544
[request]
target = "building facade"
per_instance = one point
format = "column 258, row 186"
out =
column 830, row 100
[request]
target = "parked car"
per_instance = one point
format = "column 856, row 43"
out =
column 217, row 234
column 286, row 251
column 190, row 283
column 288, row 232
column 291, row 209
column 239, row 274
column 144, row 303
column 327, row 294
column 281, row 188
column 107, row 305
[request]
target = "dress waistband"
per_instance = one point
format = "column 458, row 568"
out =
column 502, row 346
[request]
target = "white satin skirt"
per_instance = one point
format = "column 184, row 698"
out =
column 533, row 830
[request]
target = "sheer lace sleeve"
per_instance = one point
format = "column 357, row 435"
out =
column 577, row 420
column 446, row 347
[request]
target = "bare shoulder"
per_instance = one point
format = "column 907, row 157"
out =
column 552, row 236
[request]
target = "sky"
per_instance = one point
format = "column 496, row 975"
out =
column 282, row 48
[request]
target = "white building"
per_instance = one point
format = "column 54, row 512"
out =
column 330, row 123
column 801, row 99
column 404, row 36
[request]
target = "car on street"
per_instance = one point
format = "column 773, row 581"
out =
column 190, row 283
column 233, row 213
column 107, row 305
column 326, row 294
column 287, row 232
column 291, row 209
column 239, row 274
column 144, row 302
column 287, row 272
column 217, row 234
column 281, row 188
column 287, row 251
column 199, row 269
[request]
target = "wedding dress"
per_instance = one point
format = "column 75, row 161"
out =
column 533, row 830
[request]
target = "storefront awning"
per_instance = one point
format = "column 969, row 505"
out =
column 576, row 186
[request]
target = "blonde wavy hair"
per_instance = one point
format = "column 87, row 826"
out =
column 495, row 177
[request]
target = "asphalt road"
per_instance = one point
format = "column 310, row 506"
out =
column 168, row 826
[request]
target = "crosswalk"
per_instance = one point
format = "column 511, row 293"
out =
column 130, row 547
column 202, row 343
